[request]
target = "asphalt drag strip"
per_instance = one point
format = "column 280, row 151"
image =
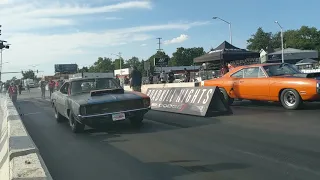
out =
column 253, row 143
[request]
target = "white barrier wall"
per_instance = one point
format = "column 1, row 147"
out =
column 19, row 156
column 145, row 87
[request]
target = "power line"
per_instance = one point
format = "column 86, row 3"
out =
column 159, row 44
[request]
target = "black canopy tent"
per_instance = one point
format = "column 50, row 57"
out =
column 227, row 53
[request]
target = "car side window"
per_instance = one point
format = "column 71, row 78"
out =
column 261, row 73
column 64, row 88
column 252, row 72
column 238, row 74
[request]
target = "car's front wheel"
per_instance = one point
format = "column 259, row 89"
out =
column 59, row 118
column 76, row 126
column 290, row 99
column 227, row 99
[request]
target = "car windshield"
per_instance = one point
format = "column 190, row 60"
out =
column 281, row 69
column 87, row 85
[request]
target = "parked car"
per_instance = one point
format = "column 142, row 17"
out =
column 279, row 82
column 91, row 100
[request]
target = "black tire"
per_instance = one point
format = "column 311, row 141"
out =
column 136, row 121
column 291, row 99
column 59, row 118
column 226, row 97
column 76, row 126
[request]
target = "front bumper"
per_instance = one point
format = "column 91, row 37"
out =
column 107, row 117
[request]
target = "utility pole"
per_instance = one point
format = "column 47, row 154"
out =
column 159, row 44
column 3, row 45
column 282, row 48
column 120, row 60
column 120, row 63
column 159, row 48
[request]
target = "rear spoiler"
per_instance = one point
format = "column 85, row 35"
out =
column 106, row 91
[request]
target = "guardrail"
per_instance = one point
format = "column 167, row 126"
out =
column 19, row 156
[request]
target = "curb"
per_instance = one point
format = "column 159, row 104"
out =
column 25, row 161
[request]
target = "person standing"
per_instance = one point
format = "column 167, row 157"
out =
column 171, row 76
column 118, row 80
column 187, row 75
column 28, row 88
column 150, row 78
column 136, row 79
column 20, row 88
column 51, row 85
column 12, row 90
column 224, row 69
column 43, row 89
column 163, row 77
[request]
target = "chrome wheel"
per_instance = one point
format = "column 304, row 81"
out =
column 290, row 98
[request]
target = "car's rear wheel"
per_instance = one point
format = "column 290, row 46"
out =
column 227, row 99
column 290, row 99
column 76, row 126
column 136, row 121
column 58, row 116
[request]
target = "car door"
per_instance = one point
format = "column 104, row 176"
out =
column 62, row 99
column 254, row 84
column 235, row 80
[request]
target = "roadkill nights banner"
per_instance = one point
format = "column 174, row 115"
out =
column 189, row 100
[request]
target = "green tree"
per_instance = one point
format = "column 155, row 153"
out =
column 84, row 69
column 28, row 74
column 307, row 38
column 260, row 40
column 184, row 56
column 116, row 64
column 102, row 65
column 134, row 61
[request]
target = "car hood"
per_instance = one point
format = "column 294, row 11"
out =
column 85, row 98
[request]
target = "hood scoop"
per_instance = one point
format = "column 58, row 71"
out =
column 106, row 91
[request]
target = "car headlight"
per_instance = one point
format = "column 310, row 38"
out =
column 83, row 110
column 318, row 85
column 146, row 102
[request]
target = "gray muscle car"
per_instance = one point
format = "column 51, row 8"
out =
column 87, row 101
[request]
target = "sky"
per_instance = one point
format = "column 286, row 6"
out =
column 47, row 32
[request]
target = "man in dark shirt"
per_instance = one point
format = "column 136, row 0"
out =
column 187, row 75
column 171, row 76
column 43, row 88
column 136, row 80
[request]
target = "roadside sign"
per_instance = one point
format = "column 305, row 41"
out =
column 161, row 61
column 66, row 68
column 199, row 101
column 146, row 65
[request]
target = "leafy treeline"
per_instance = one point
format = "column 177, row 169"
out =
column 307, row 38
column 182, row 57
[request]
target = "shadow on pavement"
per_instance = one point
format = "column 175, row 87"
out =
column 306, row 105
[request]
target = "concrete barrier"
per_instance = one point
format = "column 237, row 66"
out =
column 145, row 87
column 19, row 156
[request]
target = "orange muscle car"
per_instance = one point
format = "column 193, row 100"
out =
column 278, row 82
